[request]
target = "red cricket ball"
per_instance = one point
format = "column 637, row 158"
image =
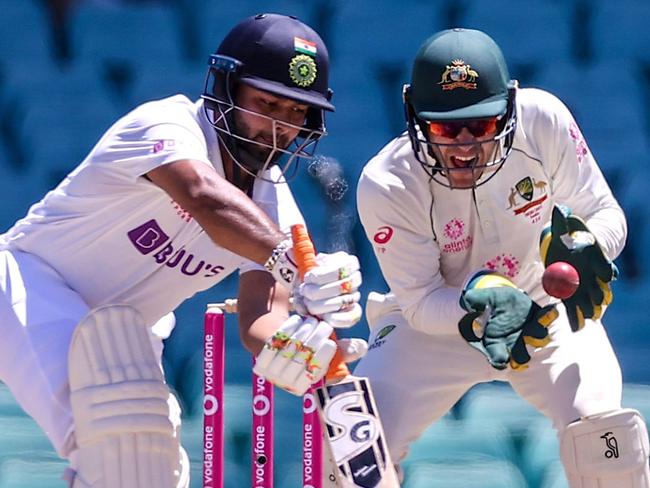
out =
column 560, row 280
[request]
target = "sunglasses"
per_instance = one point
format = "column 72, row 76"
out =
column 450, row 130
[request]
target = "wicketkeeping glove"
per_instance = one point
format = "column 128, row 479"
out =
column 567, row 238
column 501, row 320
column 299, row 353
column 330, row 290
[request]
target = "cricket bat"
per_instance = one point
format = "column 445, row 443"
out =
column 352, row 428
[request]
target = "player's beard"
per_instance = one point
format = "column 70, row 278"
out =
column 253, row 154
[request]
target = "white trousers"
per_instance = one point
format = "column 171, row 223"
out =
column 38, row 313
column 417, row 377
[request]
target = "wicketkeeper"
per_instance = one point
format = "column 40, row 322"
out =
column 455, row 209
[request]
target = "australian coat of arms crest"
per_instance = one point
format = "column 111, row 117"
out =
column 458, row 75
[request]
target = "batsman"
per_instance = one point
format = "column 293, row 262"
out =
column 490, row 184
column 174, row 197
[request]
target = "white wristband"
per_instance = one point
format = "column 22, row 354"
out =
column 282, row 265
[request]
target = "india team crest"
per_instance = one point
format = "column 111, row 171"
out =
column 303, row 70
column 458, row 75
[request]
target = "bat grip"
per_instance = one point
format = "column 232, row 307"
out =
column 305, row 255
column 338, row 368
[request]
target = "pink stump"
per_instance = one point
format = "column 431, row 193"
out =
column 262, row 433
column 213, row 389
column 312, row 441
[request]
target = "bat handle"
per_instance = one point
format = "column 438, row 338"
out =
column 305, row 255
column 338, row 368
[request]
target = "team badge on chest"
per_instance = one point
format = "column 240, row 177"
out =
column 527, row 196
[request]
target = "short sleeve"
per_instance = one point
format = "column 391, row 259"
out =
column 151, row 136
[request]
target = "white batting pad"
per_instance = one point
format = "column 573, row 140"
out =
column 124, row 422
column 609, row 450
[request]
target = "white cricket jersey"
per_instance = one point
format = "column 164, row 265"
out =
column 429, row 239
column 115, row 237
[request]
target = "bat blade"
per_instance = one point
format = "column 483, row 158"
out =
column 354, row 435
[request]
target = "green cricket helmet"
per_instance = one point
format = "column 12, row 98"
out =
column 460, row 79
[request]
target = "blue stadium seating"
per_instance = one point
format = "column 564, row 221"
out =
column 449, row 440
column 626, row 323
column 290, row 476
column 637, row 396
column 466, row 473
column 8, row 405
column 366, row 119
column 547, row 40
column 143, row 34
column 32, row 472
column 540, row 449
column 619, row 31
column 22, row 437
column 554, row 476
column 24, row 34
column 363, row 35
column 152, row 84
column 11, row 178
column 122, row 44
column 497, row 403
column 212, row 20
column 59, row 116
column 593, row 93
column 635, row 261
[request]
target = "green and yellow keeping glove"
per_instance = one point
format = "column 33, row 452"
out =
column 502, row 319
column 568, row 239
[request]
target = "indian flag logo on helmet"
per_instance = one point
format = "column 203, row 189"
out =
column 304, row 46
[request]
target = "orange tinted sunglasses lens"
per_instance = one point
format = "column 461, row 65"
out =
column 450, row 130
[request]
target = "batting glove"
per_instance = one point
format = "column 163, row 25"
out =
column 300, row 352
column 567, row 238
column 501, row 320
column 330, row 290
